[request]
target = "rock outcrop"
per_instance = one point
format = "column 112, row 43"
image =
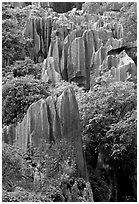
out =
column 50, row 119
column 84, row 50
column 76, row 60
column 124, row 69
column 39, row 30
column 50, row 71
column 79, row 43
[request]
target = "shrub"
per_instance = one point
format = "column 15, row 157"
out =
column 108, row 107
column 22, row 68
column 58, row 88
column 18, row 94
column 11, row 167
column 26, row 67
column 109, row 124
column 54, row 160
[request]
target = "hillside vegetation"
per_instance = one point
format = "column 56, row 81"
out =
column 69, row 102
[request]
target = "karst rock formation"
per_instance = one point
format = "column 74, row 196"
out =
column 50, row 119
column 72, row 46
column 75, row 45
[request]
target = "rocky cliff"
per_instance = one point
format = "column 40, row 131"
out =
column 81, row 46
column 50, row 119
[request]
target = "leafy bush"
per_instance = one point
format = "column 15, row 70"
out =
column 106, row 107
column 109, row 124
column 56, row 162
column 53, row 160
column 99, row 187
column 27, row 67
column 12, row 40
column 18, row 94
column 58, row 88
column 11, row 167
column 94, row 7
column 23, row 68
column 129, row 21
column 14, row 45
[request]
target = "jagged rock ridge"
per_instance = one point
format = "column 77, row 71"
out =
column 50, row 119
column 82, row 49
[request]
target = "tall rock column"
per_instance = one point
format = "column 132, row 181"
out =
column 89, row 50
column 50, row 120
column 50, row 70
column 67, row 109
column 39, row 30
column 76, row 62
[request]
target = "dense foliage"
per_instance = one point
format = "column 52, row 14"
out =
column 129, row 21
column 57, row 166
column 108, row 116
column 109, row 126
column 11, row 167
column 13, row 43
column 125, row 12
column 109, row 129
column 22, row 68
column 18, row 94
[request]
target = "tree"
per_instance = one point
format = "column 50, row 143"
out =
column 18, row 94
column 129, row 21
column 109, row 126
column 11, row 167
column 12, row 40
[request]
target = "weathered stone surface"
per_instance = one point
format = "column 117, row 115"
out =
column 97, row 60
column 125, row 67
column 76, row 61
column 8, row 135
column 55, row 131
column 89, row 50
column 118, row 31
column 64, row 58
column 34, row 127
column 109, row 62
column 89, row 43
column 68, row 113
column 75, row 34
column 39, row 29
column 50, row 71
column 104, row 35
column 97, row 41
column 50, row 119
column 115, row 43
column 57, row 51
